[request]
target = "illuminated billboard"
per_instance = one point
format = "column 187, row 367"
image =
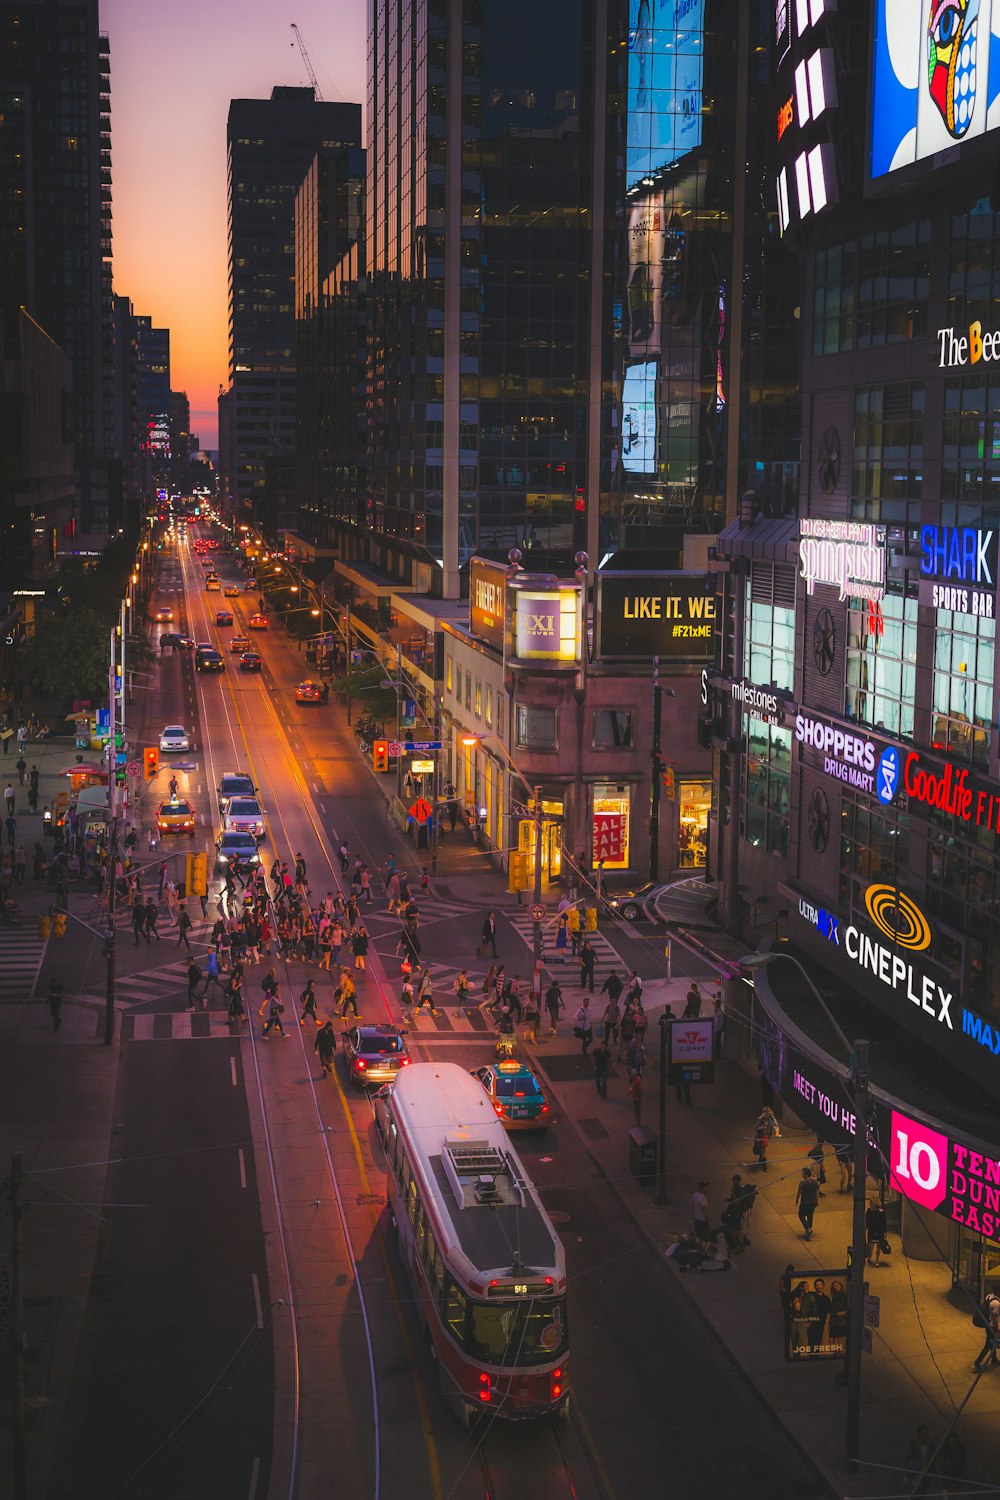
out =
column 935, row 78
column 639, row 418
column 665, row 67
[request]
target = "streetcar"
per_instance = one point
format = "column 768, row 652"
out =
column 487, row 1266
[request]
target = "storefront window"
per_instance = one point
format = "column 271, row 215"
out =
column 767, row 772
column 882, row 663
column 612, row 808
column 963, row 686
column 692, row 833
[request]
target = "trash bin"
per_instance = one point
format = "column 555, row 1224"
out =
column 642, row 1155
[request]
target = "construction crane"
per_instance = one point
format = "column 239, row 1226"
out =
column 306, row 59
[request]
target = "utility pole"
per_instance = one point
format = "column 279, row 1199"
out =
column 15, row 1188
column 661, row 1142
column 856, row 1279
column 436, row 830
column 348, row 648
column 536, row 926
column 109, row 943
column 654, row 802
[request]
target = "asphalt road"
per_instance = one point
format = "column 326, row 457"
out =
column 657, row 1408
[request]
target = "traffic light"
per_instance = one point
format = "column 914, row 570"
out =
column 44, row 928
column 380, row 755
column 196, row 874
column 670, row 783
column 59, row 924
column 151, row 761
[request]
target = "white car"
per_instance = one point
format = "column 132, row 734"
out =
column 244, row 815
column 174, row 737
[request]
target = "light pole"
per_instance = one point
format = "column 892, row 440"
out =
column 661, row 1144
column 654, row 803
column 857, row 1061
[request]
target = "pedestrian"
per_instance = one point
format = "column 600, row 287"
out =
column 274, row 1014
column 682, row 1086
column 736, row 1214
column 307, row 1000
column 635, row 1057
column 817, row 1156
column 203, row 898
column 919, row 1453
column 366, row 884
column 10, row 824
column 184, row 925
column 988, row 1318
column 602, row 1059
column 844, row 1154
column 139, row 923
column 9, row 797
column 562, row 939
column 635, row 1087
column 461, row 988
column 612, row 1020
column 149, row 919
column 626, row 1030
column 33, row 798
column 718, row 1026
column 488, row 940
column 55, row 1003
column 554, row 1003
column 692, row 1009
column 326, row 1045
column 359, row 947
column 700, row 1212
column 234, row 990
column 806, row 1199
column 583, row 1026
column 588, row 959
column 766, row 1126
column 193, row 979
column 22, row 770
column 531, row 1016
column 425, row 993
column 345, row 863
column 20, row 864
column 347, row 994
column 875, row 1229
column 951, row 1463
column 406, row 998
column 211, row 976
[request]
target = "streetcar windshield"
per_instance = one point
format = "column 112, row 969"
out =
column 526, row 1332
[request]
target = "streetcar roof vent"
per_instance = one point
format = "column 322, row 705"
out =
column 480, row 1174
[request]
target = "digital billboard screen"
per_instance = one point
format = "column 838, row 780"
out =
column 639, row 418
column 665, row 68
column 935, row 78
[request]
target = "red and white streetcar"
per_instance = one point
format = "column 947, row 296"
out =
column 488, row 1267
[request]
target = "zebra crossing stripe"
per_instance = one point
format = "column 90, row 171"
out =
column 21, row 957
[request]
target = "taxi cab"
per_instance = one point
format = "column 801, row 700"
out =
column 175, row 817
column 258, row 622
column 232, row 591
column 238, row 643
column 516, row 1095
column 308, row 692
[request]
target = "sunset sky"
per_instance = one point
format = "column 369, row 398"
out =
column 174, row 69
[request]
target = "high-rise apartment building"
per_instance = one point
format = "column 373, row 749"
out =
column 180, row 443
column 130, row 440
column 270, row 143
column 55, row 210
column 154, row 398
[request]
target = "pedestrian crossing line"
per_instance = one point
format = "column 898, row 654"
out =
column 431, row 909
column 172, row 1026
column 450, row 1020
column 606, row 956
column 151, row 984
column 21, row 956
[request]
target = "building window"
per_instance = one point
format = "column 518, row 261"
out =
column 882, row 663
column 613, row 729
column 692, row 832
column 500, row 715
column 448, row 674
column 963, row 686
column 872, row 845
column 767, row 767
column 489, row 708
column 612, row 826
column 872, row 291
column 769, row 647
column 468, row 689
column 963, row 890
column 536, row 727
column 479, row 699
column 887, row 474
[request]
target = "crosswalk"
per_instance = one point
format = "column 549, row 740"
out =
column 213, row 1025
column 21, row 955
column 607, row 956
column 431, row 909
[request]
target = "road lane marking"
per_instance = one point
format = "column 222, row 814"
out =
column 254, row 1476
column 243, row 1168
column 232, row 1069
column 256, row 1299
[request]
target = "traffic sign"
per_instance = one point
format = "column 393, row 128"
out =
column 867, row 1341
column 537, row 912
column 421, row 810
column 873, row 1307
column 423, row 745
column 134, row 768
column 395, row 748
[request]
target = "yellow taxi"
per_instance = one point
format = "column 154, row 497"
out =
column 516, row 1095
column 239, row 644
column 308, row 692
column 258, row 622
column 175, row 817
column 231, row 590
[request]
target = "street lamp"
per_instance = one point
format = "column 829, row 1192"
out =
column 857, row 1061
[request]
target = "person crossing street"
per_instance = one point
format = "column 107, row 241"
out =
column 326, row 1046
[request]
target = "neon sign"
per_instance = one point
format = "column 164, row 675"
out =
column 950, row 792
column 848, row 554
column 945, row 1176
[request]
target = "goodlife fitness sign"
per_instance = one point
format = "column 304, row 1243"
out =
column 848, row 554
column 945, row 1176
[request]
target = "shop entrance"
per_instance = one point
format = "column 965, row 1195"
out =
column 692, row 826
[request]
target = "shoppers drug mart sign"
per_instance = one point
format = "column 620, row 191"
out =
column 945, row 1176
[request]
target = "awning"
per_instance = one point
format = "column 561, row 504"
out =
column 764, row 540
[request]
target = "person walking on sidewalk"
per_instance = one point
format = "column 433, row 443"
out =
column 345, row 862
column 588, row 959
column 700, row 1212
column 55, row 1003
column 149, row 919
column 307, row 1000
column 139, row 922
column 531, row 1016
column 326, row 1045
column 635, row 1087
column 806, row 1199
column 347, row 994
column 602, row 1059
column 22, row 770
column 816, row 1155
column 583, row 1026
column 193, row 979
column 9, row 799
column 844, row 1154
column 692, row 1009
column 875, row 1228
column 488, row 938
column 989, row 1318
column 359, row 947
column 554, row 1003
column 274, row 1010
column 184, row 925
column 765, row 1127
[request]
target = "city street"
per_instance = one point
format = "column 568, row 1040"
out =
column 261, row 1247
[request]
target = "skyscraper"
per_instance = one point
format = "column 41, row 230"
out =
column 271, row 143
column 55, row 211
column 154, row 398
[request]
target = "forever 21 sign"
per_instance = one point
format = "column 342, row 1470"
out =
column 642, row 615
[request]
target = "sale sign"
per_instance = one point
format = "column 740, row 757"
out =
column 609, row 837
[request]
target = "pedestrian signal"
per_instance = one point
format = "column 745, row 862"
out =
column 380, row 755
column 670, row 783
column 196, row 874
column 151, row 761
column 590, row 919
column 59, row 923
column 44, row 928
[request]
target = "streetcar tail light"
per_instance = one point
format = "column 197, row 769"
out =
column 556, row 1384
column 484, row 1387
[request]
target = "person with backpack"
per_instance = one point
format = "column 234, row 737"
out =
column 583, row 1026
column 988, row 1318
column 425, row 993
column 765, row 1127
column 275, row 1010
column 326, row 1045
column 307, row 1000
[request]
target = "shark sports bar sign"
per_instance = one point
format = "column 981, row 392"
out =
column 850, row 555
column 958, row 569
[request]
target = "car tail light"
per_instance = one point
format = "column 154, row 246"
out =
column 556, row 1379
column 360, row 1064
column 484, row 1387
column 544, row 1109
column 498, row 1108
column 404, row 1062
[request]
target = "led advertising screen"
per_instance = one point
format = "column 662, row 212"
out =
column 665, row 66
column 639, row 418
column 935, row 78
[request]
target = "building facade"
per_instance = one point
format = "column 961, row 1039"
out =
column 154, row 399
column 55, row 219
column 270, row 145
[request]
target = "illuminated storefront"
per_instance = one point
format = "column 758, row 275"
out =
column 612, row 820
column 695, row 798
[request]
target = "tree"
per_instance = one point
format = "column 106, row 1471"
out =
column 70, row 654
column 364, row 687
